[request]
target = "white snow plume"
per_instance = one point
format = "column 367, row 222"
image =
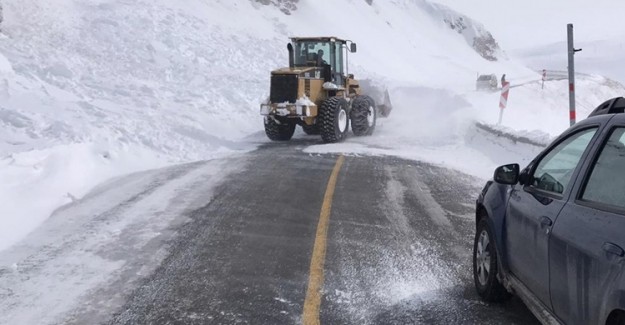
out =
column 441, row 126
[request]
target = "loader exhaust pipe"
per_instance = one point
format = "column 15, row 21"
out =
column 291, row 56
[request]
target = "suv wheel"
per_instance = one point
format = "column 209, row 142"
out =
column 485, row 267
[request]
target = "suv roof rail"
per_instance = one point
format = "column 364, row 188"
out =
column 612, row 106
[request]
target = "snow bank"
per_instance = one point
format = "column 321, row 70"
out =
column 93, row 89
column 459, row 128
column 36, row 182
column 530, row 107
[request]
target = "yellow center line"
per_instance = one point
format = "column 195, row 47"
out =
column 315, row 280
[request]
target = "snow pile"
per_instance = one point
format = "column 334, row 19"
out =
column 530, row 107
column 85, row 96
column 93, row 89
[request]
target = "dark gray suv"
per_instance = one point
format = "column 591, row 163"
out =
column 554, row 233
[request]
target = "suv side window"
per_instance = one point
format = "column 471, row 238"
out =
column 606, row 184
column 553, row 173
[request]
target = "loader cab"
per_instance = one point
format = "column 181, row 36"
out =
column 329, row 54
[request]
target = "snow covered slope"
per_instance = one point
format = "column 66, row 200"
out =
column 91, row 89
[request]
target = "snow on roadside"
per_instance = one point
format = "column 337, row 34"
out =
column 440, row 126
column 32, row 181
column 107, row 241
column 84, row 97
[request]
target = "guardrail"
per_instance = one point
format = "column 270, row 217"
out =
column 512, row 137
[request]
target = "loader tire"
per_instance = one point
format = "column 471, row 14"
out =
column 363, row 115
column 311, row 129
column 334, row 120
column 279, row 132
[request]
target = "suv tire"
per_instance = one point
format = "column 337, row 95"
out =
column 485, row 266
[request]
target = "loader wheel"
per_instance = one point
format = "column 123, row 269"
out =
column 363, row 115
column 311, row 129
column 278, row 132
column 334, row 120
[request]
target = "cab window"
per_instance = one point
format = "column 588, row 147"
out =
column 310, row 53
column 338, row 65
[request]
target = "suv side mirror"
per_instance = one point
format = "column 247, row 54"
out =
column 352, row 47
column 507, row 174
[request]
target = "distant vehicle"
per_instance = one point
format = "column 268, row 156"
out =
column 554, row 233
column 486, row 82
column 316, row 92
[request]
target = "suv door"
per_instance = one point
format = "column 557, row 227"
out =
column 586, row 245
column 533, row 208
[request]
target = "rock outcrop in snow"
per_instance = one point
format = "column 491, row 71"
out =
column 476, row 35
column 286, row 6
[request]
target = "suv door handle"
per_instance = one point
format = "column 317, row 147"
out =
column 613, row 249
column 545, row 222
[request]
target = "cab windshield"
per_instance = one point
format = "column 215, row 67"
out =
column 312, row 53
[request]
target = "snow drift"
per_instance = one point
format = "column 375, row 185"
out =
column 91, row 89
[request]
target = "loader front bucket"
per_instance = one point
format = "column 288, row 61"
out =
column 384, row 109
column 380, row 95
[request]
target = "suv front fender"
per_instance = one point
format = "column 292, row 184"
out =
column 492, row 204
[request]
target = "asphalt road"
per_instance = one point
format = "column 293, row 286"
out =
column 397, row 248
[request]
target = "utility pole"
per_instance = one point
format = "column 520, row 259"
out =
column 572, row 50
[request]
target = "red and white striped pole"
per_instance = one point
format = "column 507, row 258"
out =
column 571, row 50
column 503, row 101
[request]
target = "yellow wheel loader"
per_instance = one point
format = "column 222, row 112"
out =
column 316, row 92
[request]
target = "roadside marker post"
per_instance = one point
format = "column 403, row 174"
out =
column 544, row 77
column 503, row 101
column 571, row 69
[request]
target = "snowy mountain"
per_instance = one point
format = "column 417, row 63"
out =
column 93, row 89
column 473, row 32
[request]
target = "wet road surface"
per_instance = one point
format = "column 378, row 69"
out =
column 397, row 248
